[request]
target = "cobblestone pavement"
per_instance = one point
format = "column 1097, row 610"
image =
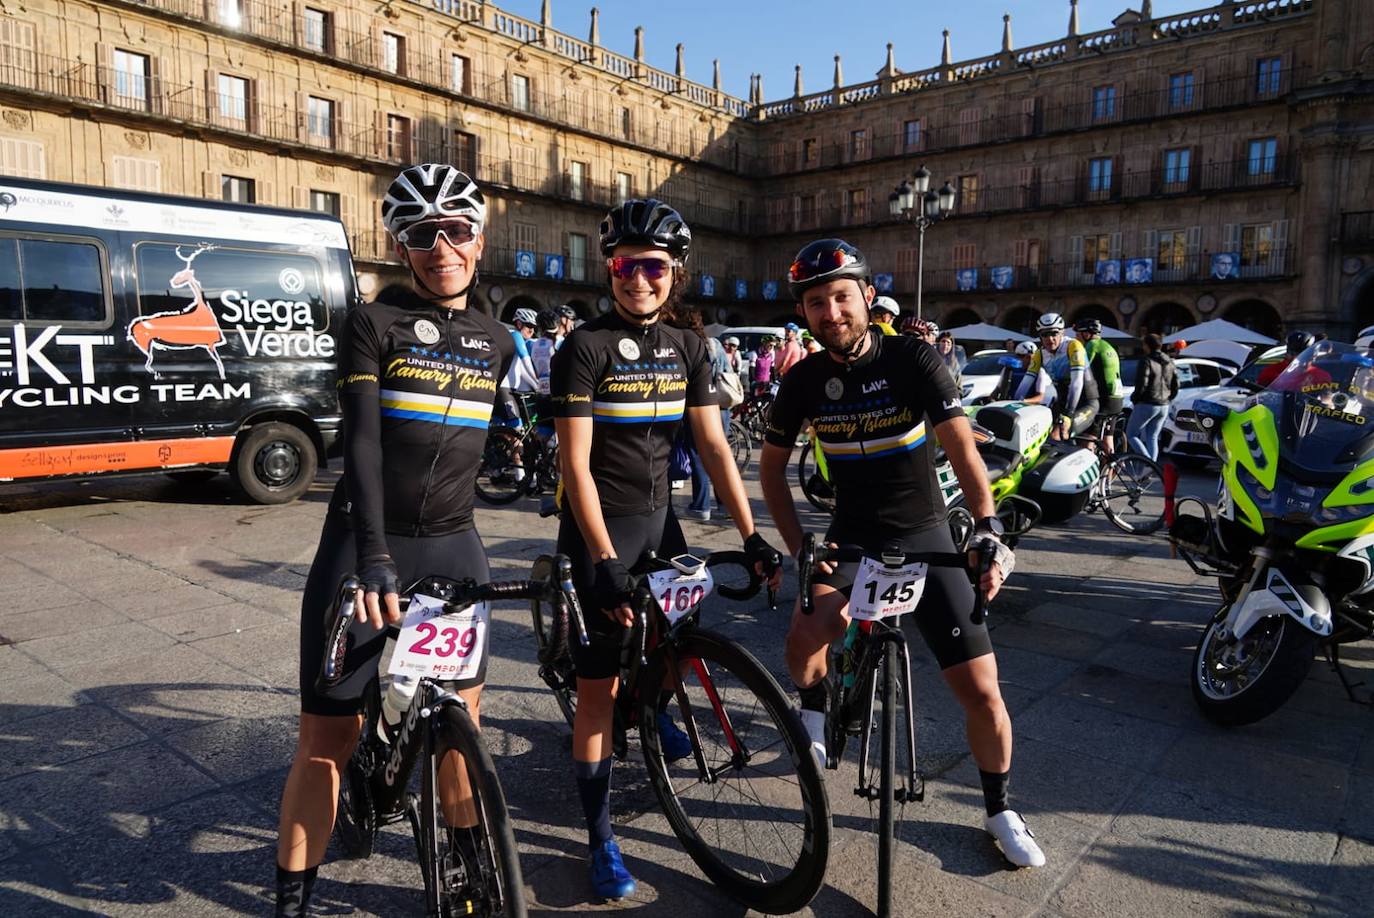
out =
column 148, row 648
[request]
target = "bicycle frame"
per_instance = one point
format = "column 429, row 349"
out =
column 430, row 697
column 880, row 634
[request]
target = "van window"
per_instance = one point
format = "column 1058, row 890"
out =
column 51, row 281
column 271, row 290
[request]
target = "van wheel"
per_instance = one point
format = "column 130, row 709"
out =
column 275, row 463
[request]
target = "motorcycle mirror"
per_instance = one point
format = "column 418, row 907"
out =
column 1210, row 411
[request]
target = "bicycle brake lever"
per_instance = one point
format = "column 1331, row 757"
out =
column 980, row 606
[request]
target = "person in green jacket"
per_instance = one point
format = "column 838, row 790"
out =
column 1105, row 365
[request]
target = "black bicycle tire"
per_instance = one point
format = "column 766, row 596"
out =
column 739, row 434
column 1111, row 514
column 798, row 887
column 484, row 491
column 806, row 463
column 455, row 731
column 887, row 783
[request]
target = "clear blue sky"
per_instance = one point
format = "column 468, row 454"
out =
column 771, row 36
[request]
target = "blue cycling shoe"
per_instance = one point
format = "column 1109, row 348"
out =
column 610, row 879
column 675, row 744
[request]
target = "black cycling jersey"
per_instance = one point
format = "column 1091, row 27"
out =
column 875, row 420
column 635, row 383
column 416, row 385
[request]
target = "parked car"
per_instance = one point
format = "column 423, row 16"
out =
column 148, row 333
column 1193, row 372
column 981, row 375
column 1182, row 441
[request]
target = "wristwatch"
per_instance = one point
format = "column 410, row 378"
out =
column 991, row 525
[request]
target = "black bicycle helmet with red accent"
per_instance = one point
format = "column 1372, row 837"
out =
column 646, row 222
column 823, row 261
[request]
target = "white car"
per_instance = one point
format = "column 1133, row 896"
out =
column 979, row 378
column 1182, row 441
column 1193, row 373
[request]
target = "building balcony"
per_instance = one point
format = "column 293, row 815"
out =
column 1357, row 230
column 1141, row 185
column 1126, row 275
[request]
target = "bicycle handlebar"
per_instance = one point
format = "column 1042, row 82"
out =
column 457, row 595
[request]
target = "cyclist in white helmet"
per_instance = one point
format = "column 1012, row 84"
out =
column 403, row 509
column 883, row 313
column 1067, row 363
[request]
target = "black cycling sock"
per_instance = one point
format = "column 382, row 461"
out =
column 813, row 698
column 293, row 891
column 594, row 787
column 995, row 790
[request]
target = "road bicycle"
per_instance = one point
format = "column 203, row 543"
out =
column 749, row 804
column 516, row 462
column 872, row 667
column 472, row 871
column 1130, row 490
column 753, row 412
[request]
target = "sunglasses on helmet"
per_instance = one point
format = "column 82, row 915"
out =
column 823, row 263
column 624, row 267
column 425, row 236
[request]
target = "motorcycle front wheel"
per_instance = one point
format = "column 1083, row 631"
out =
column 1238, row 682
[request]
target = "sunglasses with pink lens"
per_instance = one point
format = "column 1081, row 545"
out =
column 624, row 267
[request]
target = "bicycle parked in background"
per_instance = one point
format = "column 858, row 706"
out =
column 749, row 804
column 523, row 461
column 1130, row 490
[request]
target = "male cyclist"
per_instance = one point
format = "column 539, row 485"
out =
column 877, row 402
column 1105, row 366
column 1297, row 342
column 1067, row 363
column 542, row 348
column 1038, row 389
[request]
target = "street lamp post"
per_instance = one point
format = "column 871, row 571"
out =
column 915, row 202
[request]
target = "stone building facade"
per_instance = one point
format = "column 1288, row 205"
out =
column 1160, row 172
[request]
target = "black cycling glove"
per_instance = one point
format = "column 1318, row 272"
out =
column 612, row 584
column 378, row 575
column 757, row 550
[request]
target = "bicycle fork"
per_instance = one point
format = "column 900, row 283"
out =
column 913, row 789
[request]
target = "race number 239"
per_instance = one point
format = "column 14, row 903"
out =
column 880, row 592
column 440, row 645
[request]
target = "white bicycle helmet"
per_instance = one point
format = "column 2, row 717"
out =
column 887, row 303
column 1048, row 323
column 429, row 192
column 526, row 316
column 1025, row 349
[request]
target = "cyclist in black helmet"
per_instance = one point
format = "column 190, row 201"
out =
column 418, row 374
column 622, row 385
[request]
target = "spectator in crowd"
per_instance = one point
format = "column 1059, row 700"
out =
column 1156, row 385
column 763, row 365
column 791, row 351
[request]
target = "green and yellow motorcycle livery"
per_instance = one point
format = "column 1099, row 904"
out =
column 1292, row 539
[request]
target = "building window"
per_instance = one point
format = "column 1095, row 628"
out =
column 22, row 158
column 624, row 187
column 965, row 255
column 1260, row 157
column 577, row 180
column 1181, row 90
column 856, row 205
column 465, row 152
column 317, row 31
column 398, row 138
column 911, row 134
column 1256, row 245
column 1177, row 166
column 811, row 152
column 319, row 119
column 520, row 92
column 970, row 120
column 1104, row 103
column 1100, row 176
column 131, row 78
column 325, row 202
column 858, row 144
column 460, row 70
column 238, row 190
column 136, row 174
column 393, row 53
column 1171, row 253
column 230, row 13
column 968, row 194
column 806, row 211
column 527, row 237
column 233, row 99
column 1095, row 249
column 627, row 125
column 577, row 257
column 1268, row 76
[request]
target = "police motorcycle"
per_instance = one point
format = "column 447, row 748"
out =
column 1292, row 538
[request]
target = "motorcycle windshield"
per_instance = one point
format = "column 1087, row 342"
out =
column 1325, row 402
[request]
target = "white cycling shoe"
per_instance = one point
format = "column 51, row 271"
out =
column 814, row 722
column 1015, row 839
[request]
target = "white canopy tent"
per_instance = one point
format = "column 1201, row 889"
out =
column 1219, row 330
column 982, row 331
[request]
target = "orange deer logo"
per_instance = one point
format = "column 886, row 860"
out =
column 192, row 327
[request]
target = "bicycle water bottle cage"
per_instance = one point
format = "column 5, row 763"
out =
column 892, row 554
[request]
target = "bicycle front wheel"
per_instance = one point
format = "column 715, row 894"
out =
column 753, row 813
column 500, row 478
column 1132, row 492
column 813, row 483
column 741, row 444
column 475, row 870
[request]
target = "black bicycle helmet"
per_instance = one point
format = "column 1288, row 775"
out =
column 1298, row 342
column 546, row 321
column 646, row 222
column 823, row 261
column 566, row 312
column 1090, row 326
